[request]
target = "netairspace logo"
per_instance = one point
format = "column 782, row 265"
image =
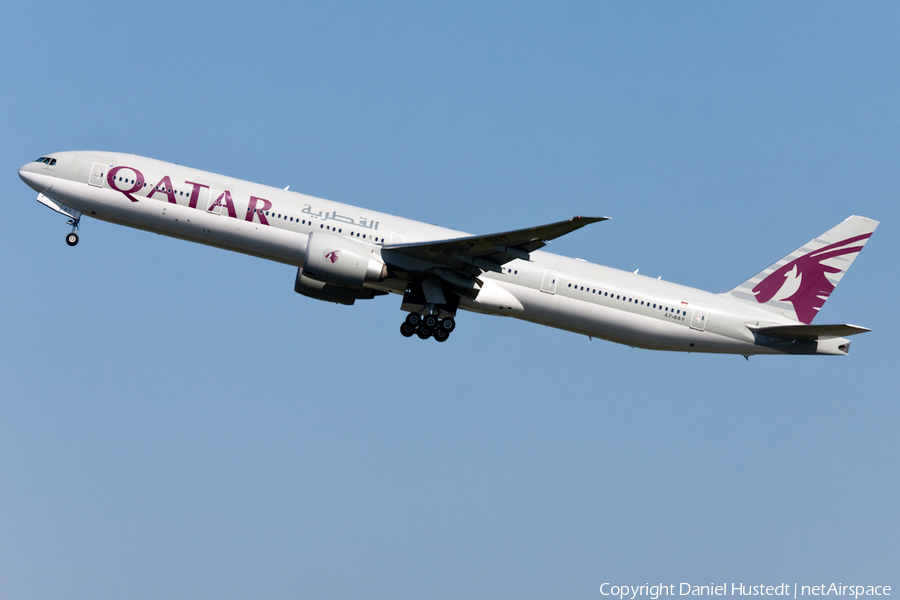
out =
column 654, row 592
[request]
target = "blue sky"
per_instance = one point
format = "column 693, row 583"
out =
column 176, row 422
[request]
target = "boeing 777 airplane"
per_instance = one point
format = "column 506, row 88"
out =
column 346, row 253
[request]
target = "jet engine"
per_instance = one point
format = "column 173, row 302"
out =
column 329, row 292
column 337, row 260
column 335, row 269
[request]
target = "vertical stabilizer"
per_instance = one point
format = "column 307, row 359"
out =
column 798, row 285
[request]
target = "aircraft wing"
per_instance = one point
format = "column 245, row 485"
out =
column 472, row 254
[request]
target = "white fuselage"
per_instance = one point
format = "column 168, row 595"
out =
column 275, row 224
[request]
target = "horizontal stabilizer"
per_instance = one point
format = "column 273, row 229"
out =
column 809, row 332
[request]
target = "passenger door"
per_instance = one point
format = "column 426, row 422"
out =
column 98, row 171
column 698, row 319
column 548, row 285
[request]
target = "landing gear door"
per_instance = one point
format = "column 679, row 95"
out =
column 58, row 207
column 548, row 285
column 698, row 320
column 98, row 172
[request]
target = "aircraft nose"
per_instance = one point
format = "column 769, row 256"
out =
column 24, row 173
column 28, row 174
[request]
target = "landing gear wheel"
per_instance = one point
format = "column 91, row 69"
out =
column 441, row 335
column 448, row 324
column 430, row 321
column 423, row 333
column 407, row 330
column 72, row 239
column 414, row 319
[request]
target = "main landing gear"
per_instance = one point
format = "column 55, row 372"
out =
column 427, row 326
column 72, row 238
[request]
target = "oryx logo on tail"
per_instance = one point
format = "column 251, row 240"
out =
column 804, row 281
column 798, row 285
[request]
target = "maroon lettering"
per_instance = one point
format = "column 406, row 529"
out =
column 138, row 181
column 224, row 199
column 164, row 186
column 258, row 211
column 195, row 193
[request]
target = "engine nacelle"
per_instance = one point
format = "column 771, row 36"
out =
column 329, row 292
column 337, row 260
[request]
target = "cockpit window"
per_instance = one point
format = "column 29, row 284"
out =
column 46, row 160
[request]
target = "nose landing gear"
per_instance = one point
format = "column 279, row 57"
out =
column 74, row 216
column 427, row 326
column 72, row 238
